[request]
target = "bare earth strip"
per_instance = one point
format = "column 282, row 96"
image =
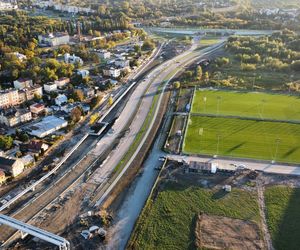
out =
column 217, row 232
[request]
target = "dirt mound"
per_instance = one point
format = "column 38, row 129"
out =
column 217, row 232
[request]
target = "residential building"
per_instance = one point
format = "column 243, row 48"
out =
column 7, row 6
column 62, row 82
column 27, row 160
column 22, row 83
column 89, row 92
column 54, row 39
column 72, row 59
column 9, row 98
column 12, row 117
column 37, row 108
column 122, row 63
column 47, row 126
column 60, row 99
column 50, row 87
column 112, row 72
column 67, row 108
column 30, row 93
column 34, row 146
column 104, row 54
column 83, row 72
column 12, row 166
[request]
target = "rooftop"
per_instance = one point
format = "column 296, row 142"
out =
column 6, row 161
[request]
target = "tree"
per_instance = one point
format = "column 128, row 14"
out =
column 6, row 142
column 137, row 48
column 188, row 74
column 177, row 85
column 248, row 67
column 94, row 118
column 296, row 65
column 222, row 61
column 76, row 114
column 22, row 135
column 206, row 76
column 95, row 101
column 78, row 95
column 148, row 45
column 199, row 73
column 110, row 101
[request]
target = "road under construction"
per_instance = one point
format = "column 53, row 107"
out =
column 97, row 156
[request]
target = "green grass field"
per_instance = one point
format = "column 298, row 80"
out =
column 283, row 216
column 169, row 221
column 243, row 138
column 247, row 104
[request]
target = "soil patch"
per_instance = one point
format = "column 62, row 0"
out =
column 217, row 232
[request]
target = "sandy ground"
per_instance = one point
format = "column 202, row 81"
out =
column 62, row 214
column 217, row 232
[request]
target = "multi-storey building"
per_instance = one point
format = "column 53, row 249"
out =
column 54, row 39
column 12, row 117
column 9, row 98
column 22, row 83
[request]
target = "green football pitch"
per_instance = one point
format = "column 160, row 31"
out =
column 243, row 138
column 253, row 104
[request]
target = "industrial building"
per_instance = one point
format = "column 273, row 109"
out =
column 47, row 126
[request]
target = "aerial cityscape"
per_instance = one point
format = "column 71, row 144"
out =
column 150, row 124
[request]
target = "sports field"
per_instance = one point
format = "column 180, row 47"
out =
column 240, row 137
column 253, row 104
column 243, row 138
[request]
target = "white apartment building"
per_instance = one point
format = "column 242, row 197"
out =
column 54, row 39
column 112, row 72
column 22, row 83
column 62, row 82
column 104, row 54
column 9, row 98
column 72, row 59
column 7, row 6
column 50, row 87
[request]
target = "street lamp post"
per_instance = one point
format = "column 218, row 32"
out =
column 277, row 141
column 218, row 143
column 218, row 104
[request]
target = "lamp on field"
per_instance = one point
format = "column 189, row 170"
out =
column 277, row 141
